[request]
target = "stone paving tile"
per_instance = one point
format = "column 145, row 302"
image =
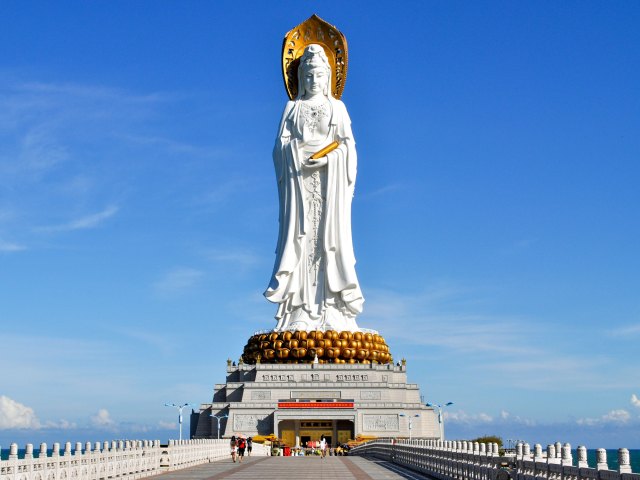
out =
column 298, row 468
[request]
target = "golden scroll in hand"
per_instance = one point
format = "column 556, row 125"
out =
column 321, row 153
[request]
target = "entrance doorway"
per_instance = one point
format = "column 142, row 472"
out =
column 298, row 433
column 312, row 431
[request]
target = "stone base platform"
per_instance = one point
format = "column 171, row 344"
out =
column 301, row 402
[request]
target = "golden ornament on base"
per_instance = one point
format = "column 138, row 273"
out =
column 330, row 347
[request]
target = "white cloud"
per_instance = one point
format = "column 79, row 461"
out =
column 617, row 416
column 156, row 339
column 520, row 246
column 237, row 257
column 16, row 415
column 421, row 318
column 82, row 223
column 174, row 146
column 167, row 425
column 614, row 417
column 454, row 320
column 61, row 425
column 504, row 418
column 223, row 192
column 6, row 214
column 466, row 418
column 9, row 247
column 629, row 330
column 102, row 419
column 177, row 281
column 380, row 191
column 40, row 151
column 635, row 401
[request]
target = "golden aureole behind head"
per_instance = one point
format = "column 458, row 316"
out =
column 314, row 30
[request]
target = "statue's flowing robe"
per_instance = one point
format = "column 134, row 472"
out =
column 289, row 286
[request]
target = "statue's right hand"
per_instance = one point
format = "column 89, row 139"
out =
column 317, row 163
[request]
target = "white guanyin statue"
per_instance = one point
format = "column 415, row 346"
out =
column 314, row 279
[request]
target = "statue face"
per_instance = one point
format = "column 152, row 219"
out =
column 316, row 80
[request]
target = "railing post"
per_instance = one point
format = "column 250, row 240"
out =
column 582, row 457
column 624, row 465
column 601, row 459
column 567, row 458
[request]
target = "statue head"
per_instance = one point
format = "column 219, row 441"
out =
column 314, row 63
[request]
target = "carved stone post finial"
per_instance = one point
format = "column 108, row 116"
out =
column 519, row 450
column 582, row 457
column 624, row 465
column 551, row 452
column 601, row 459
column 558, row 446
column 567, row 458
column 537, row 451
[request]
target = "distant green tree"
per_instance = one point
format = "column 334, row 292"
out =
column 489, row 439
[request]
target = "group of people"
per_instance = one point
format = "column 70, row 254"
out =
column 239, row 445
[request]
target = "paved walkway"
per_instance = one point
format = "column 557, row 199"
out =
column 296, row 468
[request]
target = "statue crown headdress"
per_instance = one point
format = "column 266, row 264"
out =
column 314, row 56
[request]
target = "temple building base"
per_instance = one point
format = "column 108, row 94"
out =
column 301, row 402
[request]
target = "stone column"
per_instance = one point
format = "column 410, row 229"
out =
column 334, row 424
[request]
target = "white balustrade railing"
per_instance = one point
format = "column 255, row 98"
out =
column 463, row 460
column 122, row 459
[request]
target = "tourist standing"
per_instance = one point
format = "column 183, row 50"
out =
column 242, row 445
column 323, row 446
column 234, row 448
column 249, row 445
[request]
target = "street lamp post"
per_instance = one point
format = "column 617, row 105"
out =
column 218, row 418
column 440, row 417
column 179, row 407
column 410, row 417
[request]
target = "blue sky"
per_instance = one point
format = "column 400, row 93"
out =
column 495, row 218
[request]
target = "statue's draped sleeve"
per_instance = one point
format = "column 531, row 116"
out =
column 291, row 217
column 341, row 175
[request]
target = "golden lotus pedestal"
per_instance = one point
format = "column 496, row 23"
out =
column 300, row 346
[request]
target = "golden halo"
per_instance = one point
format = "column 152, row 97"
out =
column 314, row 30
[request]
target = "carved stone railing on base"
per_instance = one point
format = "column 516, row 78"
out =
column 122, row 459
column 463, row 460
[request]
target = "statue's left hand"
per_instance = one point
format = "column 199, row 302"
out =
column 314, row 164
